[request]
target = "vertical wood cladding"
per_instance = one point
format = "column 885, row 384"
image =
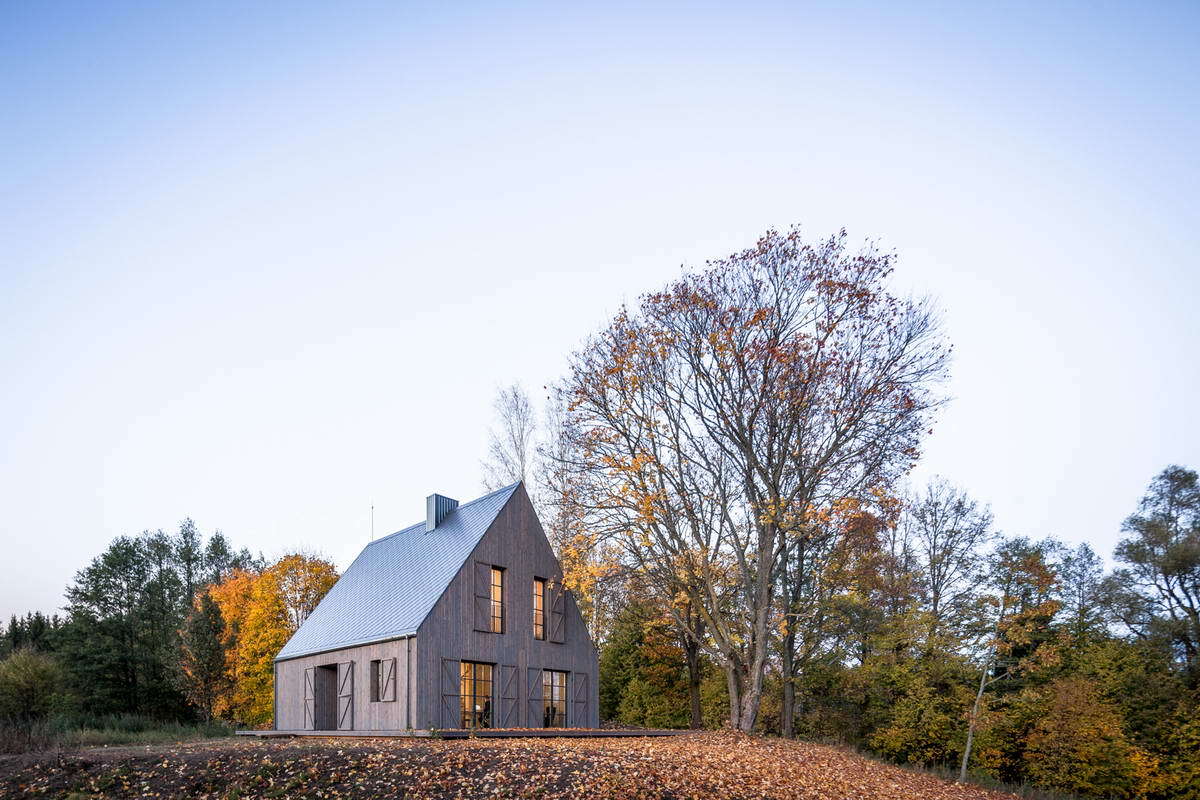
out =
column 298, row 706
column 453, row 630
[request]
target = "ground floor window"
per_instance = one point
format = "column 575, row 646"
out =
column 554, row 699
column 475, row 693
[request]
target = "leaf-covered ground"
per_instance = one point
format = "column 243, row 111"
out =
column 727, row 766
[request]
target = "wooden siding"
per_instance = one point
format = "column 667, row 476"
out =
column 515, row 542
column 355, row 710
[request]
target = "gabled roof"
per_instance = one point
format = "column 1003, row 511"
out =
column 395, row 581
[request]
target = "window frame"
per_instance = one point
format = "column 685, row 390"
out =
column 539, row 609
column 560, row 705
column 496, row 599
column 476, row 710
column 376, row 673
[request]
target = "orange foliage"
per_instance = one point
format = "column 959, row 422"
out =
column 261, row 613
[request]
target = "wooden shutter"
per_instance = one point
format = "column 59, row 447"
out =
column 387, row 687
column 483, row 596
column 310, row 700
column 451, row 681
column 558, row 614
column 345, row 696
column 535, row 718
column 579, row 700
column 510, row 698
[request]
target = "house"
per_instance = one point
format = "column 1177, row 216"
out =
column 460, row 621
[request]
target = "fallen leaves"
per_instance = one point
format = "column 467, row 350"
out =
column 723, row 765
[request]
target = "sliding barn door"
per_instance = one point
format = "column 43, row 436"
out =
column 345, row 696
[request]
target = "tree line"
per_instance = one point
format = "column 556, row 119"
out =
column 169, row 627
column 724, row 472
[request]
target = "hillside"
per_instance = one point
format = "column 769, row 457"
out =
column 721, row 765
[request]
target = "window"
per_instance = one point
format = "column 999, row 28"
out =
column 376, row 679
column 539, row 608
column 497, row 600
column 475, row 694
column 554, row 699
column 383, row 680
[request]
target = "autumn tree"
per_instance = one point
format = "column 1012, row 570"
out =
column 710, row 422
column 1157, row 593
column 1083, row 593
column 840, row 550
column 1022, row 605
column 262, row 611
column 233, row 596
column 1078, row 745
column 949, row 533
column 202, row 669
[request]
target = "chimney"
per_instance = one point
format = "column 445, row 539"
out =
column 436, row 509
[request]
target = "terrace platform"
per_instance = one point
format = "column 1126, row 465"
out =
column 486, row 733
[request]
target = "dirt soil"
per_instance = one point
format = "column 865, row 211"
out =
column 727, row 766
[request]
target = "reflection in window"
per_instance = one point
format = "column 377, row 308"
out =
column 554, row 699
column 475, row 695
column 539, row 608
column 497, row 600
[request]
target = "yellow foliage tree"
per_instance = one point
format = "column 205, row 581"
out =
column 262, row 611
column 1078, row 745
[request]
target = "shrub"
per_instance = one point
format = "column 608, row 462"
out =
column 30, row 684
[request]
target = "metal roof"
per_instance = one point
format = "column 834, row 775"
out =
column 389, row 589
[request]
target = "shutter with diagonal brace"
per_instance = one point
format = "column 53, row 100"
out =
column 345, row 696
column 451, row 681
column 558, row 613
column 536, row 718
column 387, row 680
column 510, row 698
column 579, row 700
column 483, row 596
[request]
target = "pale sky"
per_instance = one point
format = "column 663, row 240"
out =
column 266, row 267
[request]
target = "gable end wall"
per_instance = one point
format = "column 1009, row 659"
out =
column 516, row 542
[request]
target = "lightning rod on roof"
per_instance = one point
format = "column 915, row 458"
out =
column 372, row 522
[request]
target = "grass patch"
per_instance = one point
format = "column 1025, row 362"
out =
column 65, row 732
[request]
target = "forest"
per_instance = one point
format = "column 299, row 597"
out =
column 725, row 472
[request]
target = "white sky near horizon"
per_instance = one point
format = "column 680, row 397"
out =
column 265, row 270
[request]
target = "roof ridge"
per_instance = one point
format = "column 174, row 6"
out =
column 488, row 496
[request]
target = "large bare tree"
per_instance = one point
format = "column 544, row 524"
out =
column 711, row 423
column 948, row 532
column 511, row 443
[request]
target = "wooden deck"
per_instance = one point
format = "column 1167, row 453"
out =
column 488, row 733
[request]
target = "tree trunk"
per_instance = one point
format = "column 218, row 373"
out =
column 692, row 651
column 966, row 757
column 788, row 711
column 735, row 695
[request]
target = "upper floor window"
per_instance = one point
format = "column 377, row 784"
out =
column 539, row 608
column 497, row 600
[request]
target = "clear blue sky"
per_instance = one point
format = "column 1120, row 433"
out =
column 266, row 267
